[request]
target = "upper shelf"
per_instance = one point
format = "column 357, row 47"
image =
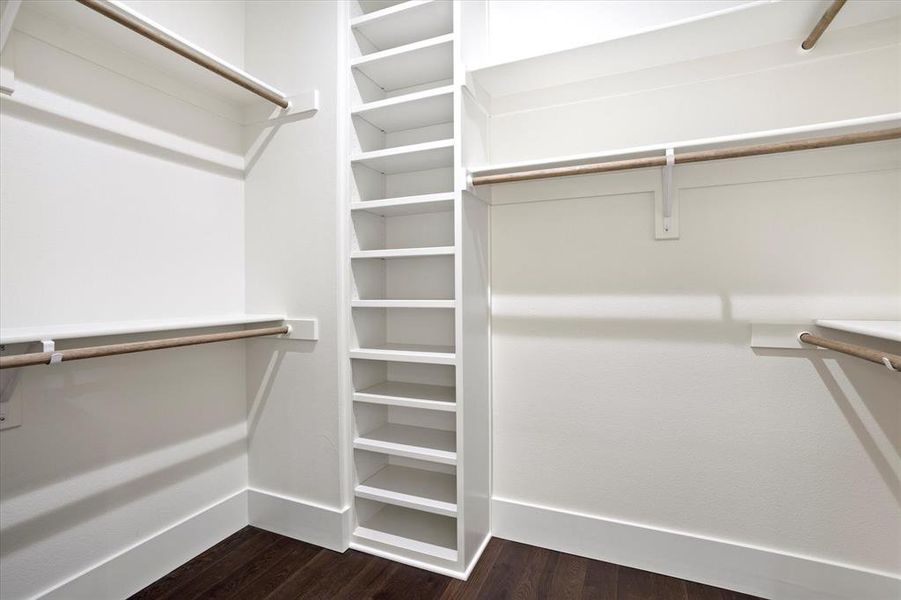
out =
column 406, row 159
column 734, row 29
column 405, row 23
column 887, row 330
column 91, row 28
column 406, row 66
column 15, row 335
column 410, row 111
column 877, row 122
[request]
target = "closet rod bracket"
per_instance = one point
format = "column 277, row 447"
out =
column 666, row 220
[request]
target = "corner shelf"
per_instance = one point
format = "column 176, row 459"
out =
column 428, row 491
column 409, row 395
column 886, row 330
column 405, row 23
column 421, row 443
column 405, row 159
column 406, row 66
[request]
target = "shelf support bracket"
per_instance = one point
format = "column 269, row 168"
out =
column 666, row 222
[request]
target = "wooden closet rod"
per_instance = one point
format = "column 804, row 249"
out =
column 43, row 358
column 822, row 24
column 893, row 361
column 182, row 48
column 692, row 156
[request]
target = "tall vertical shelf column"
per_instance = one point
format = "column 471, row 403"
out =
column 418, row 300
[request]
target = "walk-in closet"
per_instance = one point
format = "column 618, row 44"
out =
column 450, row 299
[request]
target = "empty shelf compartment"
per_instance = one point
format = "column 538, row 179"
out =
column 407, row 159
column 410, row 111
column 422, row 443
column 412, row 395
column 413, row 530
column 404, row 23
column 422, row 62
column 418, row 353
column 406, row 205
column 418, row 489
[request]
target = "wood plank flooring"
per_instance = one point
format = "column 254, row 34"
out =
column 254, row 564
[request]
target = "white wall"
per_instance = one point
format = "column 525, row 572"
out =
column 99, row 227
column 624, row 383
column 292, row 244
column 523, row 28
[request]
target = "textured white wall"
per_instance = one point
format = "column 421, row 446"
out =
column 291, row 212
column 95, row 227
column 624, row 384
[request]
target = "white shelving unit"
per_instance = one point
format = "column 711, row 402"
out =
column 418, row 259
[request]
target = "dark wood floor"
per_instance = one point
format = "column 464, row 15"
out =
column 256, row 564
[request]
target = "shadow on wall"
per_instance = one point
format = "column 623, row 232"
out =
column 70, row 514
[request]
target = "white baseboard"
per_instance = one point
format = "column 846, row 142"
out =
column 752, row 570
column 145, row 562
column 320, row 525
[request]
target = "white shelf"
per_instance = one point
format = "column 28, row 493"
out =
column 406, row 66
column 405, row 23
column 412, row 488
column 415, row 353
column 410, row 395
column 403, row 303
column 410, row 111
column 883, row 121
column 15, row 335
column 415, row 531
column 407, row 205
column 731, row 30
column 406, row 159
column 404, row 252
column 421, row 443
column 371, row 6
column 98, row 29
column 886, row 330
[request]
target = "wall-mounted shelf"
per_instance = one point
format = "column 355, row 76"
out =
column 407, row 205
column 422, row 62
column 416, row 353
column 15, row 335
column 747, row 26
column 427, row 491
column 405, row 159
column 847, row 126
column 886, row 330
column 421, row 443
column 101, row 29
column 405, row 23
column 404, row 252
column 409, row 395
column 409, row 111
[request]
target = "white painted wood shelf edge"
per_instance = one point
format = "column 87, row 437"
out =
column 15, row 335
column 886, row 330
